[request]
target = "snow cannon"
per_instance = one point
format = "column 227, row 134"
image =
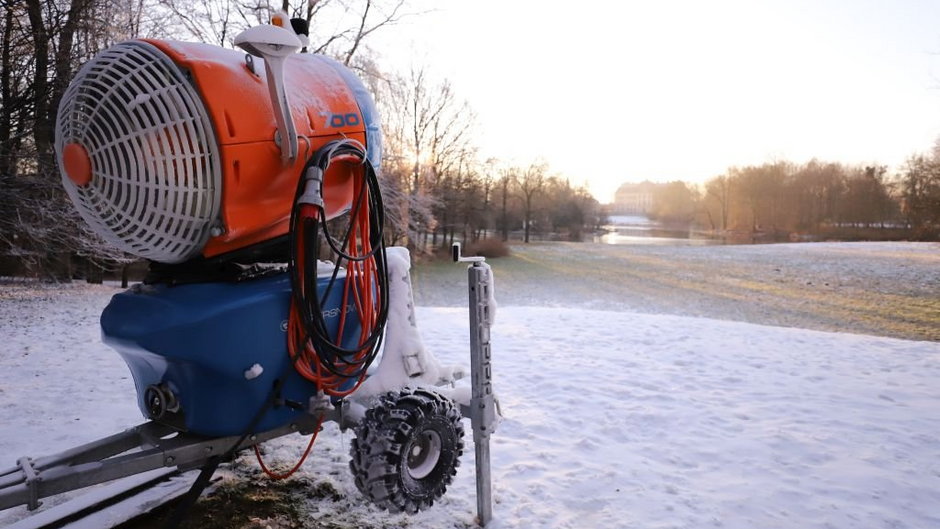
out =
column 199, row 158
column 173, row 150
column 249, row 181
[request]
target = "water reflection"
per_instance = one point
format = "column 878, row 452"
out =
column 642, row 231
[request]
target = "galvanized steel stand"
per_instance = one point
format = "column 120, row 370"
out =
column 482, row 402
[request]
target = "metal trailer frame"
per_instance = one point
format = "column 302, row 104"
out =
column 142, row 448
column 153, row 445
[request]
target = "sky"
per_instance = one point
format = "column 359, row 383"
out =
column 614, row 92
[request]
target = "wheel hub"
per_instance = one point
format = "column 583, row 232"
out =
column 424, row 453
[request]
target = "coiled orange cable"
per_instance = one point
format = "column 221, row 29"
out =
column 360, row 290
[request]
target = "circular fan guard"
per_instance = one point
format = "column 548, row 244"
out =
column 138, row 154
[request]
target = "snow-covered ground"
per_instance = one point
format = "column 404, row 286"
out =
column 612, row 419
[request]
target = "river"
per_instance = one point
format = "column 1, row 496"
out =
column 629, row 230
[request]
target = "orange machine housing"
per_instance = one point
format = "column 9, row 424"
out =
column 257, row 186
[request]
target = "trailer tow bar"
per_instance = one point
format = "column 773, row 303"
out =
column 482, row 401
column 140, row 449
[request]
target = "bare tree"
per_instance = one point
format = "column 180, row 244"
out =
column 920, row 185
column 867, row 200
column 530, row 181
column 209, row 21
column 506, row 179
column 42, row 41
column 674, row 203
column 719, row 190
column 406, row 214
column 372, row 18
column 428, row 128
column 337, row 28
column 570, row 209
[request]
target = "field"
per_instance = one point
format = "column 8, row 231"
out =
column 641, row 387
column 884, row 289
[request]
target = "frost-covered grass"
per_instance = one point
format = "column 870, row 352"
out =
column 887, row 289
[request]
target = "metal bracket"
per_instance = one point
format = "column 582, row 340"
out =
column 31, row 479
column 460, row 258
column 274, row 44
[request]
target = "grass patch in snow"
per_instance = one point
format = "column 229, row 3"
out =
column 241, row 501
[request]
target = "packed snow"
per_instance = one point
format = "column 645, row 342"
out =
column 610, row 419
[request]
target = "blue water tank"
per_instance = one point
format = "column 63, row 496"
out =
column 199, row 340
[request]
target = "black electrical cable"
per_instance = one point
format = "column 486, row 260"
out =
column 331, row 355
column 331, row 352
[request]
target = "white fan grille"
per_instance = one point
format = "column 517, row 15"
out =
column 156, row 176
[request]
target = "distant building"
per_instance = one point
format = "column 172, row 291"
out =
column 634, row 199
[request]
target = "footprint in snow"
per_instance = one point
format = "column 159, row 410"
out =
column 587, row 444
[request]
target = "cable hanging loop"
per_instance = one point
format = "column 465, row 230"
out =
column 322, row 356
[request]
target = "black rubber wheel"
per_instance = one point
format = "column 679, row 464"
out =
column 407, row 449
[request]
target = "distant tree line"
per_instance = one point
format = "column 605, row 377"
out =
column 437, row 188
column 785, row 200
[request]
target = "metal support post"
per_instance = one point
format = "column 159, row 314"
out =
column 482, row 402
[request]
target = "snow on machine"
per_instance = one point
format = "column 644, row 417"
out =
column 250, row 182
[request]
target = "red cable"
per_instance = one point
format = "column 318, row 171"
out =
column 271, row 474
column 359, row 283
